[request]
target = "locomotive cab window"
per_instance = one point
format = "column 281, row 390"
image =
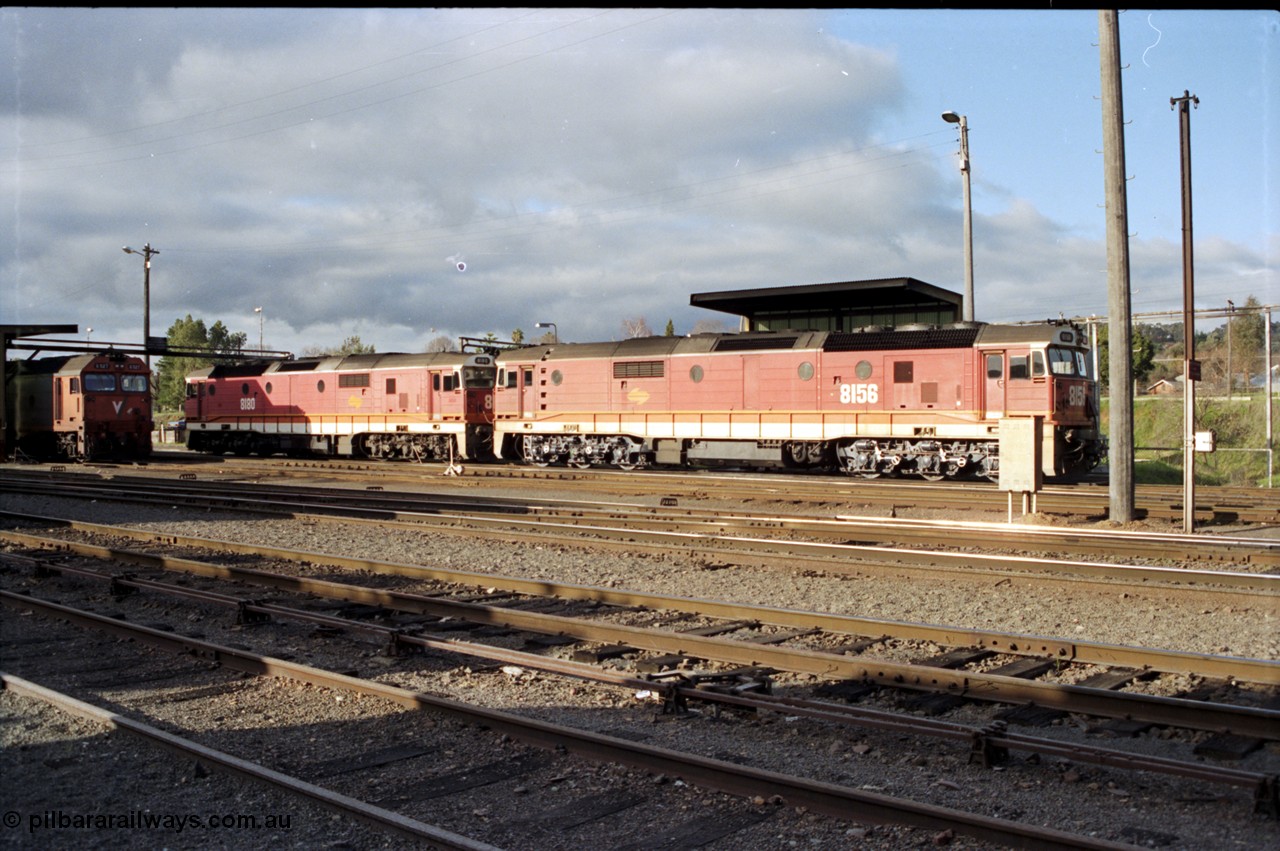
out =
column 1062, row 361
column 477, row 376
column 1037, row 364
column 94, row 383
column 133, row 383
column 1019, row 367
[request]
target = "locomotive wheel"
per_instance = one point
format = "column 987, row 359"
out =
column 933, row 477
column 580, row 464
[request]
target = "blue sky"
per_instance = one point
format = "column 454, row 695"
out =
column 595, row 167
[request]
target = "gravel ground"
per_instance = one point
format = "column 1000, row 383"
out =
column 1144, row 811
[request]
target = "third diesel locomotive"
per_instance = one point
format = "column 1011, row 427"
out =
column 79, row 407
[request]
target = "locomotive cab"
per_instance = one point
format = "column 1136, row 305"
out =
column 82, row 407
column 1045, row 371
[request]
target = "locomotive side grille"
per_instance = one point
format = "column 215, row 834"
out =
column 739, row 344
column 638, row 369
column 934, row 338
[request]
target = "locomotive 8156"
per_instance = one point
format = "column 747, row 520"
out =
column 79, row 407
column 924, row 401
column 390, row 406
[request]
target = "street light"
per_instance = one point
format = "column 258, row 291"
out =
column 555, row 332
column 146, row 253
column 261, row 315
column 963, row 121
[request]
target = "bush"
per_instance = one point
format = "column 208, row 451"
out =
column 1240, row 424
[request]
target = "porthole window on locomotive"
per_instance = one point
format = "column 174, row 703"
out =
column 805, row 371
column 863, row 369
column 268, row 386
column 213, row 389
column 320, row 386
column 556, row 377
column 695, row 374
column 244, row 389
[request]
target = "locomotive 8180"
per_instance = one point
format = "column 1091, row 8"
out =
column 79, row 407
column 915, row 400
column 390, row 406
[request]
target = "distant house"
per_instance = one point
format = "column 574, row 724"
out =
column 1259, row 382
column 1166, row 387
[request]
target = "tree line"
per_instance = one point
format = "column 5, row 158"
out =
column 1235, row 349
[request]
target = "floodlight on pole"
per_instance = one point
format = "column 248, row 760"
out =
column 555, row 332
column 954, row 118
column 261, row 316
column 146, row 253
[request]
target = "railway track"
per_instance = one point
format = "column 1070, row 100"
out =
column 990, row 745
column 636, row 521
column 745, row 659
column 1215, row 505
column 408, row 778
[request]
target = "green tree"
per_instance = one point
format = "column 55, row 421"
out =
column 190, row 336
column 671, row 329
column 1142, row 360
column 1248, row 341
column 350, row 346
column 517, row 336
column 353, row 346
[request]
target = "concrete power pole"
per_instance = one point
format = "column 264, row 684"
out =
column 1119, row 321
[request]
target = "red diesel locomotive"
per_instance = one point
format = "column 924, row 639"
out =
column 913, row 400
column 384, row 406
column 79, row 407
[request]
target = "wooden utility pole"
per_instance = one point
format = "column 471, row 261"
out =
column 1119, row 321
column 1191, row 366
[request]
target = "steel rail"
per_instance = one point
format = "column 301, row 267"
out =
column 825, row 556
column 1061, row 650
column 1252, row 505
column 1152, row 500
column 383, row 819
column 1162, row 545
column 825, row 798
column 987, row 741
column 1177, row 712
column 1234, row 549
